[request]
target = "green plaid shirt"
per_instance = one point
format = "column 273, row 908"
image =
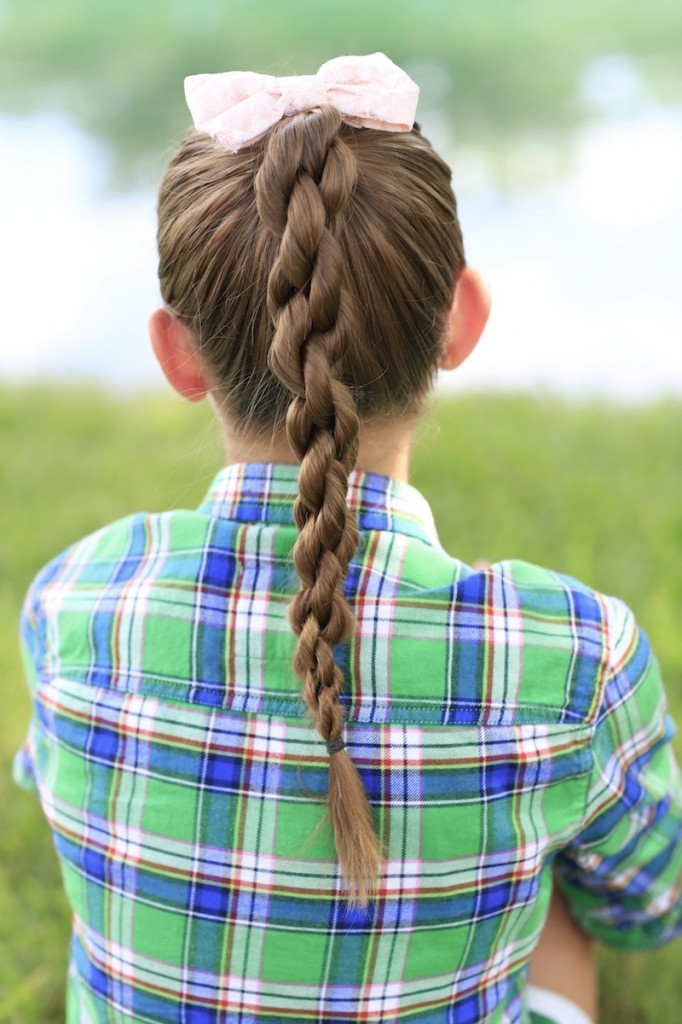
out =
column 508, row 724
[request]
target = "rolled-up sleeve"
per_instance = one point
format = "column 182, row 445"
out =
column 622, row 874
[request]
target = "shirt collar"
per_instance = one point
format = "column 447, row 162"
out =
column 264, row 492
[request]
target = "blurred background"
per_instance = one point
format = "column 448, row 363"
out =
column 562, row 123
column 560, row 441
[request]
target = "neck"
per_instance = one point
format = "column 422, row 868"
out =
column 385, row 448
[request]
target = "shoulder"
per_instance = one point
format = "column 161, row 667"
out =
column 556, row 597
column 118, row 552
column 601, row 620
column 564, row 630
column 88, row 611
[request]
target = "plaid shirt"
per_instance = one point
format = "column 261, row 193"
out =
column 508, row 724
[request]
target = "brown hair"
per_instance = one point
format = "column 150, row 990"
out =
column 315, row 268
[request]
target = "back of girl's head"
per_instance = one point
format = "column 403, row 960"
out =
column 388, row 203
column 316, row 268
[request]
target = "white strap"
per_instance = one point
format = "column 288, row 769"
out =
column 558, row 1008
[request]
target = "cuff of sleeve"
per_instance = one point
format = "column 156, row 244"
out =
column 597, row 918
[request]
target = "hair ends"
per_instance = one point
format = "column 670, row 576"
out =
column 357, row 845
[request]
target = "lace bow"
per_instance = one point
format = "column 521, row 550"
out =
column 235, row 107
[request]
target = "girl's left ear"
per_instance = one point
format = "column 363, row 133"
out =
column 467, row 318
column 175, row 349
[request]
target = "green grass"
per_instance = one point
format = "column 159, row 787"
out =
column 590, row 489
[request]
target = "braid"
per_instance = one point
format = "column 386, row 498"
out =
column 307, row 175
column 354, row 232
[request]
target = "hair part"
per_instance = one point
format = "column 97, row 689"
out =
column 316, row 268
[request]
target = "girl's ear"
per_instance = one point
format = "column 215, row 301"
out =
column 467, row 318
column 175, row 349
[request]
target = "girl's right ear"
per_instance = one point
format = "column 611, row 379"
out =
column 175, row 349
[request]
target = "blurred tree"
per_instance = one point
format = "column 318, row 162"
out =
column 493, row 68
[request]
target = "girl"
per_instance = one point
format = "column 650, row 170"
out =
column 376, row 833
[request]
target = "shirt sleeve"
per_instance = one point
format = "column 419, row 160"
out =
column 622, row 875
column 23, row 767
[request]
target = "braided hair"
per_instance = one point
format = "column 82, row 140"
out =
column 315, row 268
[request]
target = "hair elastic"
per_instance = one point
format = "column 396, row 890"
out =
column 335, row 746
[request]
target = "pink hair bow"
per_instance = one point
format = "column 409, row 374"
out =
column 237, row 106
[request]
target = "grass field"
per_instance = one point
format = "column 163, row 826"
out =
column 591, row 489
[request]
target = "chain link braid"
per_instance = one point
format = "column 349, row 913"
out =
column 306, row 178
column 347, row 240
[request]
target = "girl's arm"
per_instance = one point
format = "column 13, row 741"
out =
column 622, row 875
